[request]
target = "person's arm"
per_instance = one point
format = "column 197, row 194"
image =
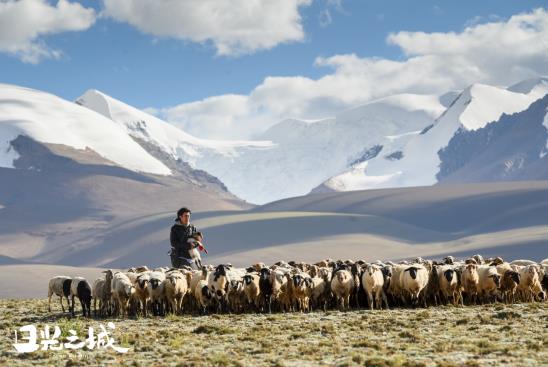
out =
column 173, row 237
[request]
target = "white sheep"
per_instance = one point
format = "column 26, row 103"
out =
column 122, row 291
column 489, row 281
column 470, row 282
column 156, row 292
column 102, row 292
column 176, row 286
column 373, row 285
column 342, row 286
column 449, row 283
column 413, row 281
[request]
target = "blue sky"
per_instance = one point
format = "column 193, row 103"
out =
column 146, row 70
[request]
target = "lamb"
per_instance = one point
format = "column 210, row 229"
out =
column 373, row 285
column 60, row 286
column 176, row 286
column 101, row 292
column 413, row 280
column 508, row 285
column 122, row 291
column 489, row 281
column 342, row 286
column 79, row 287
column 156, row 291
column 195, row 247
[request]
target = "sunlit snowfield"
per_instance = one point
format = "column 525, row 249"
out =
column 512, row 335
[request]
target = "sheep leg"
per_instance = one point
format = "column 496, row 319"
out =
column 384, row 299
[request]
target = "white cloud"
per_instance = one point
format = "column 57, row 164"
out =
column 500, row 53
column 233, row 26
column 24, row 22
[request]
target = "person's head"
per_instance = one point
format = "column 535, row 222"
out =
column 183, row 215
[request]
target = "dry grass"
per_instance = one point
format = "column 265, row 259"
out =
column 445, row 336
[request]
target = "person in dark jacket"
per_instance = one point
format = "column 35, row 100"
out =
column 181, row 232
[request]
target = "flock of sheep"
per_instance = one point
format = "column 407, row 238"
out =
column 304, row 287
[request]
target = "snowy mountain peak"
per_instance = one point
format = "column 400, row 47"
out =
column 49, row 119
column 418, row 160
column 480, row 104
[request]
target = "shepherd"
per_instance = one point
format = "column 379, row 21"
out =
column 186, row 242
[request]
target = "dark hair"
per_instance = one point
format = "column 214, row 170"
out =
column 182, row 211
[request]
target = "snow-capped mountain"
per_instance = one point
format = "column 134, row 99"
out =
column 512, row 148
column 50, row 119
column 292, row 156
column 61, row 162
column 417, row 161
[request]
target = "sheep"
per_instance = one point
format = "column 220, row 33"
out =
column 141, row 294
column 470, row 282
column 60, row 286
column 176, row 286
column 79, row 287
column 122, row 291
column 508, row 285
column 355, row 270
column 413, row 280
column 265, row 285
column 449, row 284
column 395, row 289
column 236, row 295
column 156, row 291
column 218, row 282
column 529, row 286
column 319, row 292
column 101, row 292
column 373, row 285
column 342, row 286
column 203, row 295
column 432, row 291
column 489, row 281
column 252, row 290
column 300, row 291
column 479, row 259
column 286, row 295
